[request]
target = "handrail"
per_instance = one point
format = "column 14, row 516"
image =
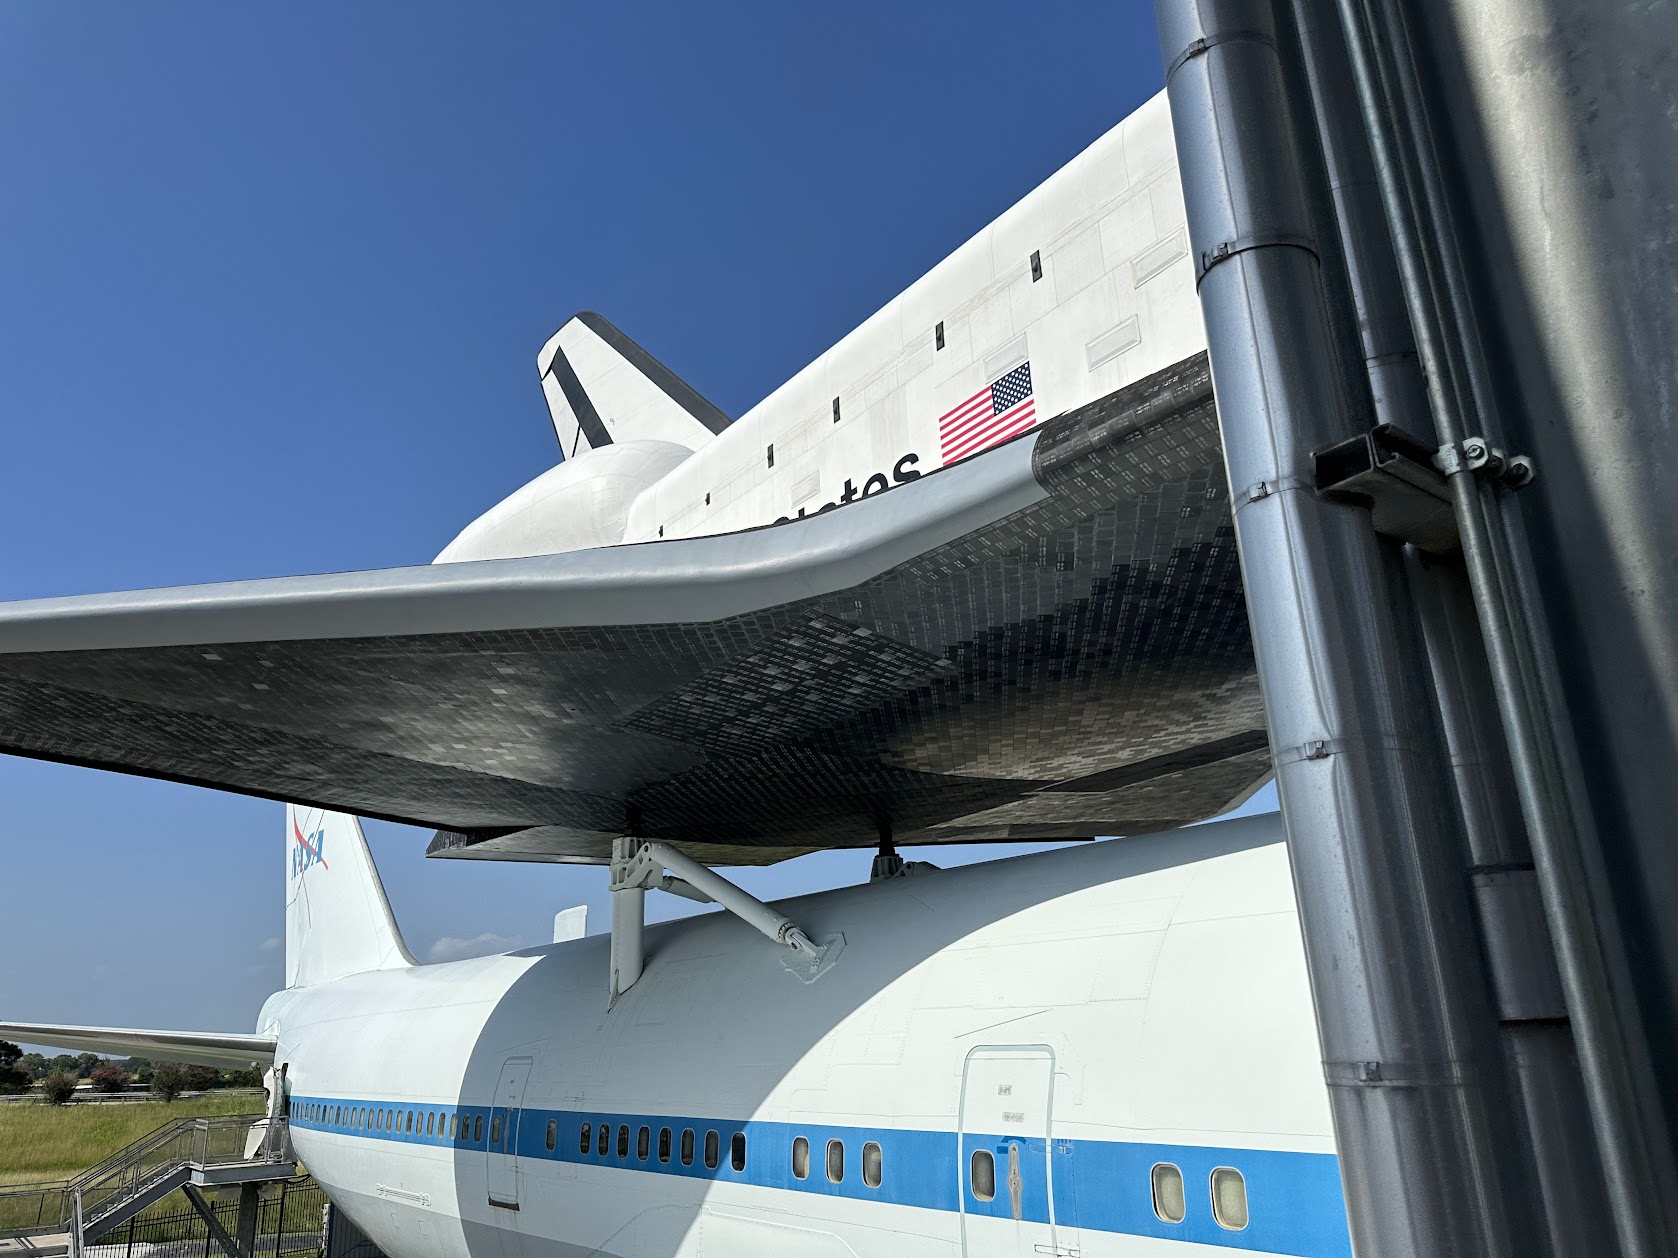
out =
column 186, row 1141
column 137, row 1167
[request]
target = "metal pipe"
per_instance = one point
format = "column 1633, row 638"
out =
column 1561, row 1181
column 1397, row 391
column 747, row 907
column 1584, row 967
column 1535, row 1033
column 1358, row 763
column 1604, row 1056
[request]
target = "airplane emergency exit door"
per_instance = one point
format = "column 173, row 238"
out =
column 502, row 1147
column 1007, row 1200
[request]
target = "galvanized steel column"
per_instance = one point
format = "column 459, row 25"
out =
column 1362, row 779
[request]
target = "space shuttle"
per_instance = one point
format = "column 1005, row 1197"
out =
column 969, row 576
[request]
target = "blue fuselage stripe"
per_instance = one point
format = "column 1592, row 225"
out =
column 1294, row 1200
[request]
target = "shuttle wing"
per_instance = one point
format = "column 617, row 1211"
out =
column 1048, row 640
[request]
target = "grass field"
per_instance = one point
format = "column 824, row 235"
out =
column 43, row 1142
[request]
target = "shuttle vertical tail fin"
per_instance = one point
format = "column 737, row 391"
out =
column 603, row 388
column 338, row 921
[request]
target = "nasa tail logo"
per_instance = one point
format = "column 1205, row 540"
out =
column 308, row 850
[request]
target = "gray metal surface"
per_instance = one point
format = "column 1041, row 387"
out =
column 1562, row 118
column 1046, row 641
column 1401, row 1006
column 1552, row 1174
column 1401, row 104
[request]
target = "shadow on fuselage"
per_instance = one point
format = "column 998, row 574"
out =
column 717, row 1023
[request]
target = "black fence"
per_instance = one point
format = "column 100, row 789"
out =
column 293, row 1218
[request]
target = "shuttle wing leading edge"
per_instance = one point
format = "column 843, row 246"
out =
column 1048, row 640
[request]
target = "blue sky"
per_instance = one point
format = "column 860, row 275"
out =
column 272, row 280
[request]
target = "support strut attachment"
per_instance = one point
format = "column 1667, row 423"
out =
column 639, row 866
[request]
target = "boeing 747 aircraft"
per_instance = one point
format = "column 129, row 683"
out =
column 969, row 576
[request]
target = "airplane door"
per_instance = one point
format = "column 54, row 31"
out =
column 501, row 1149
column 1007, row 1200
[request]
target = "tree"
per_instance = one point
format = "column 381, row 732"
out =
column 168, row 1080
column 109, row 1078
column 64, row 1064
column 87, row 1063
column 59, row 1087
column 34, row 1065
column 202, row 1078
column 251, row 1078
column 13, row 1078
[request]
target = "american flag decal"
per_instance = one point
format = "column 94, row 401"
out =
column 996, row 412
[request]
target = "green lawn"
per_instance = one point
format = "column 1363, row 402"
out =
column 42, row 1142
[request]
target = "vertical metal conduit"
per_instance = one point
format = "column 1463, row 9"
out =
column 1552, row 1150
column 1437, row 298
column 1392, row 955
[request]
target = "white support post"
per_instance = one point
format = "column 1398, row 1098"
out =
column 638, row 866
column 629, row 915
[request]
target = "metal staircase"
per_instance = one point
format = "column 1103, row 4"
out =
column 190, row 1154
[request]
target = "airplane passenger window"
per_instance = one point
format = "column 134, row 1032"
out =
column 495, row 1130
column 430, row 1122
column 712, row 1145
column 623, row 1141
column 409, row 1126
column 553, row 1134
column 737, row 1151
column 454, row 1126
column 871, row 1164
column 938, row 335
column 835, row 1161
column 801, row 1158
column 983, row 1177
column 643, row 1144
column 586, row 1138
column 1229, row 1198
column 603, row 1139
column 1036, row 265
column 1169, row 1203
column 687, row 1146
column 664, row 1144
column 477, row 1128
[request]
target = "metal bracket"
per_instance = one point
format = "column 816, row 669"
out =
column 1488, row 463
column 1395, row 477
column 638, row 867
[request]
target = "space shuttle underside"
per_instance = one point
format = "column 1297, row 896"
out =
column 1045, row 641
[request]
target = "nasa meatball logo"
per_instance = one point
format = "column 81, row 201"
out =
column 307, row 852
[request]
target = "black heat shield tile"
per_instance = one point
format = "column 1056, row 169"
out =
column 1048, row 640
